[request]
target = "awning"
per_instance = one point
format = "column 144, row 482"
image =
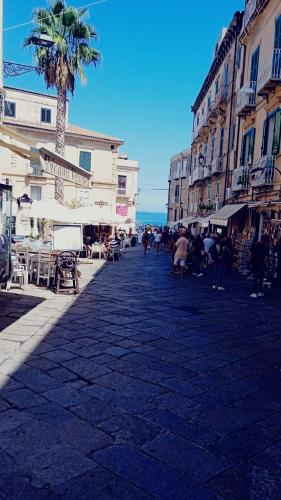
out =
column 186, row 221
column 221, row 217
column 203, row 221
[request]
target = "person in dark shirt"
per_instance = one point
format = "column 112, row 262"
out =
column 259, row 253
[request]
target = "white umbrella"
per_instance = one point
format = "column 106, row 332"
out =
column 51, row 209
column 96, row 215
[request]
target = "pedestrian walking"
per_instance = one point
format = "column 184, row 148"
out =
column 151, row 239
column 220, row 255
column 181, row 246
column 165, row 239
column 145, row 241
column 259, row 254
column 198, row 254
column 158, row 241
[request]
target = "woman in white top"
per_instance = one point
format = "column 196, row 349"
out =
column 157, row 241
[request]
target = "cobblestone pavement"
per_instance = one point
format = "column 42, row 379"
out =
column 142, row 387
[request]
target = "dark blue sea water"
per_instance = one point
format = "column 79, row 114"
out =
column 154, row 218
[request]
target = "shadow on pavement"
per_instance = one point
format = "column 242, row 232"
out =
column 143, row 387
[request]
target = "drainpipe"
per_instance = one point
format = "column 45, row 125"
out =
column 231, row 115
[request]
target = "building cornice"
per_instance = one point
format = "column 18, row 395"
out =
column 234, row 28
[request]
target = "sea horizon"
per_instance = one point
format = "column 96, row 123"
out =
column 146, row 217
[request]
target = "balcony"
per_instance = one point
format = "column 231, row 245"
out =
column 270, row 74
column 197, row 175
column 246, row 99
column 240, row 179
column 207, row 172
column 201, row 128
column 249, row 12
column 35, row 171
column 216, row 166
column 222, row 96
column 262, row 173
column 122, row 191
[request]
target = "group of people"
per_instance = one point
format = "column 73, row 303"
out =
column 213, row 255
column 155, row 239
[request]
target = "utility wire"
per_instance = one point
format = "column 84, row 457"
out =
column 31, row 22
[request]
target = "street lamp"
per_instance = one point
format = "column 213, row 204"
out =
column 14, row 69
column 43, row 40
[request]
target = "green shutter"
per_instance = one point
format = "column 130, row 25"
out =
column 243, row 150
column 276, row 134
column 252, row 134
column 265, row 137
column 85, row 160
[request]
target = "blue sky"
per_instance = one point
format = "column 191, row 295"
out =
column 155, row 55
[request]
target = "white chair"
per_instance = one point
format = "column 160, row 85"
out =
column 46, row 268
column 19, row 272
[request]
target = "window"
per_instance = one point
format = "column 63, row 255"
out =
column 209, row 193
column 209, row 101
column 271, row 134
column 255, row 65
column 181, row 216
column 226, row 75
column 122, row 185
column 217, row 86
column 10, row 109
column 213, row 143
column 197, row 121
column 175, row 215
column 277, row 38
column 177, row 193
column 83, row 197
column 221, row 142
column 36, row 193
column 247, row 150
column 233, row 134
column 85, row 160
column 238, row 56
column 45, row 115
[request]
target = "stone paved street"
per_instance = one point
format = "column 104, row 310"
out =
column 141, row 387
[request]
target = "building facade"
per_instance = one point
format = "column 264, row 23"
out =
column 256, row 178
column 214, row 127
column 93, row 170
column 178, row 194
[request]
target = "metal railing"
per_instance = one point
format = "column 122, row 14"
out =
column 216, row 166
column 240, row 179
column 37, row 171
column 122, row 191
column 270, row 70
column 197, row 174
column 247, row 97
column 262, row 173
column 276, row 64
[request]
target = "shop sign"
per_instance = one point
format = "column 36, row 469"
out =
column 101, row 203
column 66, row 173
column 122, row 210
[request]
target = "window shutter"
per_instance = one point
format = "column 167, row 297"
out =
column 265, row 137
column 252, row 134
column 277, row 39
column 85, row 160
column 276, row 133
column 243, row 150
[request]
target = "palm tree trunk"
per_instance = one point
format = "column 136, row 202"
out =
column 60, row 140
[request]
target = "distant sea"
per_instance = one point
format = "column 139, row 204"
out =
column 155, row 218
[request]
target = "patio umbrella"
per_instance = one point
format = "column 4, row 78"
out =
column 51, row 209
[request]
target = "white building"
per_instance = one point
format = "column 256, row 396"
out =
column 94, row 171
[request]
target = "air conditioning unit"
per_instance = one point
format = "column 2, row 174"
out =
column 228, row 194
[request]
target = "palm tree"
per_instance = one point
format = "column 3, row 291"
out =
column 59, row 63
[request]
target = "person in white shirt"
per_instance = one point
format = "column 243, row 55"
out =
column 208, row 243
column 158, row 241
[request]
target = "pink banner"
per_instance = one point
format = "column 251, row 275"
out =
column 122, row 210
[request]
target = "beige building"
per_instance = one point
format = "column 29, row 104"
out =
column 256, row 178
column 93, row 170
column 214, row 127
column 180, row 165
